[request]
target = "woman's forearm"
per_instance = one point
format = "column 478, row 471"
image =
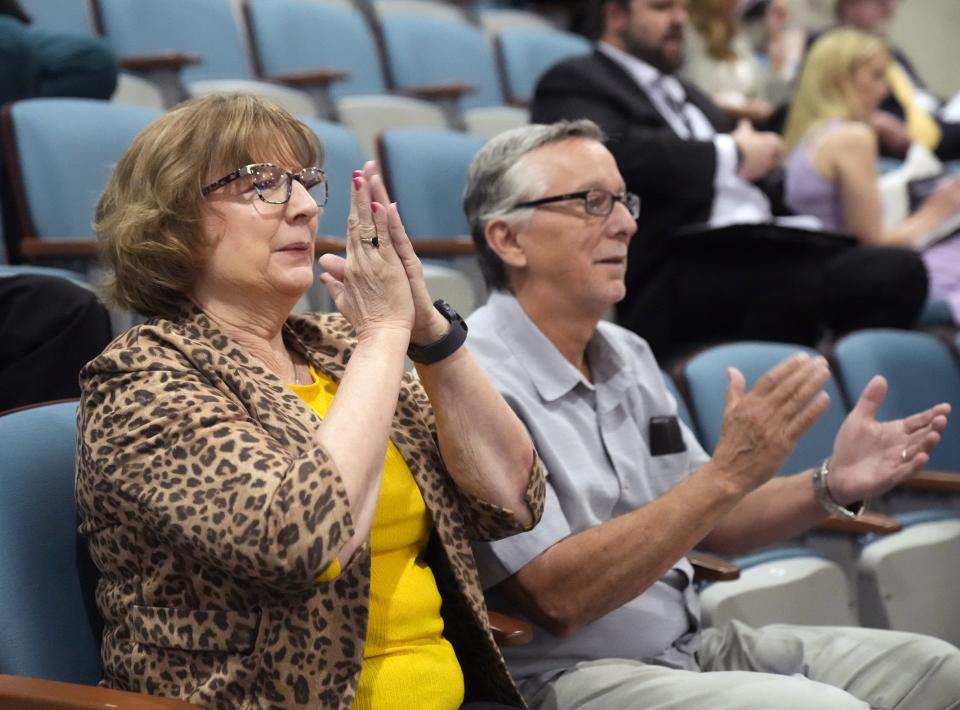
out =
column 356, row 428
column 484, row 445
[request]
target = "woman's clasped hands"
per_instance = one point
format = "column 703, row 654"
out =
column 379, row 284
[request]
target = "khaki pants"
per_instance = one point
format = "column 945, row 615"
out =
column 777, row 667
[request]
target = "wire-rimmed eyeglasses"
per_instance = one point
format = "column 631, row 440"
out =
column 596, row 201
column 274, row 184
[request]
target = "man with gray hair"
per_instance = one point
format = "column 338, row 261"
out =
column 604, row 577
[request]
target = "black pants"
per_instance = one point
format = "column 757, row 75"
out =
column 744, row 283
column 49, row 328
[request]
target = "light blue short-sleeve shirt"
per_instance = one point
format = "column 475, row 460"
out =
column 594, row 441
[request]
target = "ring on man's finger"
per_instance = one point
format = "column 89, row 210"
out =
column 903, row 455
column 374, row 240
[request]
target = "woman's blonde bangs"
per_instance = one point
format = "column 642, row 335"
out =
column 149, row 220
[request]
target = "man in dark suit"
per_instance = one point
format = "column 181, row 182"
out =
column 738, row 275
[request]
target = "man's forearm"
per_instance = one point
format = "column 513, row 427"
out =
column 778, row 510
column 589, row 574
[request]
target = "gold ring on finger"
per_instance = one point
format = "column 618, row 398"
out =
column 374, row 240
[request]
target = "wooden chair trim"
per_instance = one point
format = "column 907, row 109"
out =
column 935, row 481
column 443, row 247
column 33, row 247
column 36, row 694
column 868, row 522
column 314, row 77
column 437, row 92
column 709, row 568
column 161, row 60
column 8, row 136
column 509, row 631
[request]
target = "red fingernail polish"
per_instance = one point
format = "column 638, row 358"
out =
column 356, row 183
column 357, row 173
column 374, row 207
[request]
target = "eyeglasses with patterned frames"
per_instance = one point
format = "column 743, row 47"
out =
column 274, row 184
column 596, row 201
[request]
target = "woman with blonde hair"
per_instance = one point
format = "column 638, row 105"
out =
column 720, row 59
column 831, row 169
column 281, row 515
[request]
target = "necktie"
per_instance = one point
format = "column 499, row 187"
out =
column 672, row 91
column 923, row 129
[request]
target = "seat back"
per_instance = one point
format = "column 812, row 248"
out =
column 70, row 16
column 342, row 155
column 48, row 623
column 920, row 371
column 426, row 171
column 207, row 28
column 706, row 380
column 61, row 153
column 493, row 20
column 302, row 35
column 429, row 51
column 418, row 8
column 525, row 54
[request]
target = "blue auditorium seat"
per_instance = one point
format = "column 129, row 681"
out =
column 525, row 54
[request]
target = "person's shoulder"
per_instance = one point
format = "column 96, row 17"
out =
column 575, row 67
column 846, row 138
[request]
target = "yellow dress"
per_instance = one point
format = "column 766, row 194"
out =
column 407, row 663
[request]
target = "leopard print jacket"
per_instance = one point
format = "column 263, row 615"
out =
column 209, row 510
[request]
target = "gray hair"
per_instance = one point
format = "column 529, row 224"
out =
column 500, row 176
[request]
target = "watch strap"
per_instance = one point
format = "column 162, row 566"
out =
column 445, row 346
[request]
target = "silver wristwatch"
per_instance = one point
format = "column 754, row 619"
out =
column 826, row 501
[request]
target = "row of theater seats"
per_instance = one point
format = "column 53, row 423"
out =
column 381, row 64
column 892, row 570
column 425, row 169
column 904, row 578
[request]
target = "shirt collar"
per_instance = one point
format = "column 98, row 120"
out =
column 644, row 74
column 551, row 373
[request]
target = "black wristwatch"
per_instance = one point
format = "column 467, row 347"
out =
column 448, row 344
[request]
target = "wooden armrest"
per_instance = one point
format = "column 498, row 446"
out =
column 329, row 245
column 34, row 247
column 509, row 631
column 443, row 247
column 708, row 568
column 519, row 103
column 163, row 60
column 36, row 694
column 436, row 92
column 315, row 77
column 864, row 523
column 937, row 481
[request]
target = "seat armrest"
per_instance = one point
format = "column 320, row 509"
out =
column 936, row 481
column 36, row 694
column 708, row 568
column 439, row 92
column 443, row 247
column 329, row 245
column 869, row 522
column 147, row 63
column 40, row 248
column 163, row 69
column 314, row 77
column 509, row 631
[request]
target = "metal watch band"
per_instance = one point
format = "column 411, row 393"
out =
column 826, row 501
column 448, row 344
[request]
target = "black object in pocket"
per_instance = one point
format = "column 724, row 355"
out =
column 665, row 436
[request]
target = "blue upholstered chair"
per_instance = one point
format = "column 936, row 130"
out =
column 525, row 54
column 706, row 379
column 920, row 370
column 49, row 625
column 70, row 16
column 426, row 171
column 333, row 51
column 453, row 62
column 63, row 152
column 189, row 48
